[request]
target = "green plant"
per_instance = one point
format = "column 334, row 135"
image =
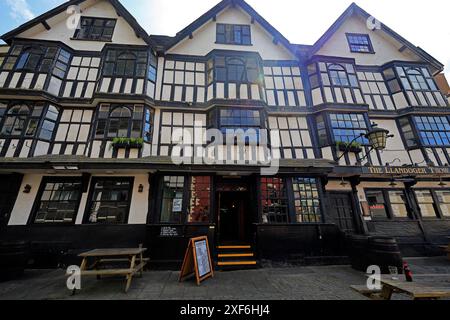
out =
column 127, row 143
column 352, row 147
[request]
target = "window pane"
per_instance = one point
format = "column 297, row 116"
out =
column 443, row 197
column 110, row 202
column 306, row 200
column 200, row 192
column 398, row 204
column 274, row 201
column 172, row 200
column 377, row 203
column 58, row 202
column 426, row 203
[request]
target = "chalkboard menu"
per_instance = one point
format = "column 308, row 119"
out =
column 197, row 260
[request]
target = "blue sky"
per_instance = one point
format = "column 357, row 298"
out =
column 301, row 21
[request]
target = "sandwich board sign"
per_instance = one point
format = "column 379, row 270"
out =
column 197, row 260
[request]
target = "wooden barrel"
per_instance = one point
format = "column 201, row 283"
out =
column 13, row 258
column 357, row 247
column 384, row 252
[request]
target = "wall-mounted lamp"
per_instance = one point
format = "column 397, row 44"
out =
column 27, row 189
column 141, row 188
column 343, row 183
column 392, row 184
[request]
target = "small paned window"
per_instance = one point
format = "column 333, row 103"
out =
column 58, row 201
column 433, row 131
column 377, row 203
column 234, row 69
column 200, row 199
column 49, row 123
column 172, row 201
column 349, row 127
column 408, row 132
column 110, row 201
column 249, row 121
column 398, row 203
column 124, row 122
column 233, row 34
column 443, row 199
column 426, row 203
column 126, row 64
column 274, row 201
column 360, row 43
column 95, row 29
column 306, row 200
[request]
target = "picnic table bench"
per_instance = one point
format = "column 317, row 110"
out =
column 423, row 288
column 100, row 257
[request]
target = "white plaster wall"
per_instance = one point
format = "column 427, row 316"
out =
column 25, row 201
column 385, row 47
column 205, row 37
column 123, row 33
column 139, row 201
column 395, row 149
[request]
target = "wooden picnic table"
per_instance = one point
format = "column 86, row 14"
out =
column 420, row 289
column 134, row 256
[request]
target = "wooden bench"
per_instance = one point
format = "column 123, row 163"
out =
column 420, row 289
column 133, row 256
column 373, row 294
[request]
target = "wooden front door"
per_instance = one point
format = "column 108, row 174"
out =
column 233, row 216
column 342, row 211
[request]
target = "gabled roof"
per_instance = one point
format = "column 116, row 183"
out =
column 186, row 32
column 121, row 11
column 355, row 9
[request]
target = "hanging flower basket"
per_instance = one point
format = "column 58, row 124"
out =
column 346, row 147
column 127, row 143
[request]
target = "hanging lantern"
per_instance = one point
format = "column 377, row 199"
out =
column 378, row 137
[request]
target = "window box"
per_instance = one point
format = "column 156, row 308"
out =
column 344, row 146
column 127, row 143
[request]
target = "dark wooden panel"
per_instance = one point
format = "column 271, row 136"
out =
column 293, row 242
column 437, row 231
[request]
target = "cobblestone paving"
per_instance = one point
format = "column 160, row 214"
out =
column 292, row 283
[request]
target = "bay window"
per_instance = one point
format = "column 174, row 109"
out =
column 36, row 58
column 234, row 69
column 27, row 121
column 342, row 127
column 124, row 121
column 126, row 63
column 249, row 121
column 416, row 82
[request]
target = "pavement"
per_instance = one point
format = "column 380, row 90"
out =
column 287, row 283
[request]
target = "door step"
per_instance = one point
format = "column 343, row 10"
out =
column 236, row 257
column 233, row 247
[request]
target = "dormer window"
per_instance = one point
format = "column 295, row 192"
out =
column 233, row 34
column 99, row 29
column 359, row 43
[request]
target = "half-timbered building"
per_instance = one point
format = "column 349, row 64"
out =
column 104, row 136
